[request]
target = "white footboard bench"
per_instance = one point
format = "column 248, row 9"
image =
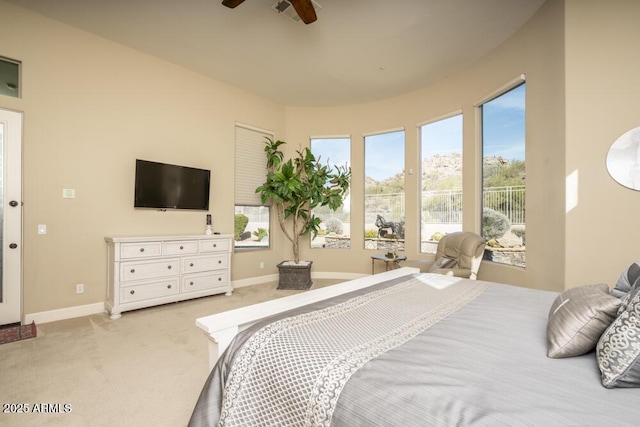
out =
column 221, row 328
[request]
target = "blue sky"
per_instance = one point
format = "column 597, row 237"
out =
column 503, row 135
column 503, row 129
column 504, row 125
column 384, row 155
column 442, row 137
column 334, row 151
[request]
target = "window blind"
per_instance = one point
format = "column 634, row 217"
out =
column 250, row 164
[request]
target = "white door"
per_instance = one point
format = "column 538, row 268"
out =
column 10, row 217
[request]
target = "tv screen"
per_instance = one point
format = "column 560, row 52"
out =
column 164, row 186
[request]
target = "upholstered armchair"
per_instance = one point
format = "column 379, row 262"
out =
column 459, row 254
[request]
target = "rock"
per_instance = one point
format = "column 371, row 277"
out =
column 509, row 240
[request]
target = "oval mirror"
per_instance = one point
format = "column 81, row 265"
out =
column 623, row 159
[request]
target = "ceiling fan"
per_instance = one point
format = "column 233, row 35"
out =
column 304, row 8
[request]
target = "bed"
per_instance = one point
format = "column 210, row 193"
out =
column 404, row 348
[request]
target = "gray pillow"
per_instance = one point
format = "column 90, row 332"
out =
column 442, row 262
column 628, row 280
column 618, row 350
column 577, row 319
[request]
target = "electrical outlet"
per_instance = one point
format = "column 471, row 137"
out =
column 261, row 264
column 79, row 288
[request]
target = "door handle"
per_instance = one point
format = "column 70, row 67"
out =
column 13, row 203
column 13, row 245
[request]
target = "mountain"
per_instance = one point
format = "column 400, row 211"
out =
column 444, row 171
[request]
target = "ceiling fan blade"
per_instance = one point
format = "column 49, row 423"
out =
column 231, row 3
column 305, row 10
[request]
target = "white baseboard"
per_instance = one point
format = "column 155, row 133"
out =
column 64, row 313
column 98, row 307
column 336, row 275
column 274, row 278
column 254, row 280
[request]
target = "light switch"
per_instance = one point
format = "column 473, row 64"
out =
column 42, row 228
column 68, row 193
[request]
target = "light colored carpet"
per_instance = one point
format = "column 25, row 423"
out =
column 144, row 369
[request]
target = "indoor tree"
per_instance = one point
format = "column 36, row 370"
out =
column 297, row 186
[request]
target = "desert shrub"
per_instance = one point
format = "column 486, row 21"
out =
column 437, row 236
column 370, row 233
column 261, row 233
column 239, row 224
column 494, row 224
column 334, row 225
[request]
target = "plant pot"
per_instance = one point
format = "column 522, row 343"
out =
column 295, row 276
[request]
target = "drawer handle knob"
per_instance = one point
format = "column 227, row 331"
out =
column 168, row 286
column 141, row 249
column 191, row 283
column 215, row 245
column 219, row 279
column 169, row 267
column 181, row 247
column 132, row 292
column 191, row 265
column 133, row 270
column 219, row 261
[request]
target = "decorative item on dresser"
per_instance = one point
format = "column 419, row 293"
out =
column 148, row 271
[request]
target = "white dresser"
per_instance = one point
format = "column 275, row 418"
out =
column 147, row 271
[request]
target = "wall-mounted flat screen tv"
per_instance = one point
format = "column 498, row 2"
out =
column 165, row 186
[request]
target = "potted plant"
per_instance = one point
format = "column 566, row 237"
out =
column 295, row 187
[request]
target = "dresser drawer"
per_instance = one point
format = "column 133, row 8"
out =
column 203, row 281
column 214, row 245
column 204, row 263
column 149, row 290
column 180, row 248
column 144, row 271
column 140, row 250
column 149, row 269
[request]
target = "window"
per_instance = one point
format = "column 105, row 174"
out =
column 9, row 77
column 336, row 226
column 252, row 219
column 441, row 168
column 503, row 177
column 384, row 191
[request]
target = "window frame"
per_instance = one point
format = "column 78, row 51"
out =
column 249, row 150
column 428, row 245
column 346, row 243
column 379, row 242
column 489, row 252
